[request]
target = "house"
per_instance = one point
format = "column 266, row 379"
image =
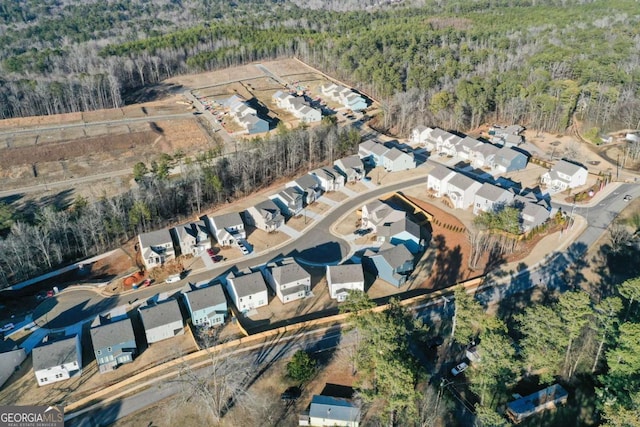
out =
column 539, row 401
column 509, row 160
column 289, row 201
column 377, row 213
column 191, row 238
column 297, row 106
column 395, row 160
column 310, row 185
column 11, row 357
column 227, row 228
column 328, row 181
column 205, row 303
column 248, row 291
column 508, row 136
column 438, row 178
column 161, row 320
column 565, row 175
column 57, row 360
column 282, row 99
column 347, row 97
column 532, row 215
column 331, row 411
column 114, row 342
column 490, row 198
column 265, row 216
column 253, row 124
column 393, row 265
column 483, row 156
column 156, row 248
column 436, row 138
column 289, row 281
column 402, row 232
column 365, row 150
column 461, row 190
column 343, row 278
column 420, row 134
column 449, row 146
column 466, row 147
column 351, row 168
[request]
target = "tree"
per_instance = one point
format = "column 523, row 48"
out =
column 630, row 290
column 487, row 417
column 606, row 314
column 6, row 217
column 469, row 318
column 301, row 368
column 139, row 171
column 624, row 358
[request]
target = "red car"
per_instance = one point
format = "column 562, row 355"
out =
column 210, row 252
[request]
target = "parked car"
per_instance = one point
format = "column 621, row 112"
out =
column 8, row 327
column 173, row 278
column 210, row 252
column 460, row 368
column 627, row 198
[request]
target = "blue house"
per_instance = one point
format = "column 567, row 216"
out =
column 206, row 304
column 114, row 342
column 508, row 160
column 393, row 265
column 254, row 124
column 403, row 232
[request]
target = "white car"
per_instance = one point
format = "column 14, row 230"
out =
column 7, row 327
column 459, row 369
column 173, row 279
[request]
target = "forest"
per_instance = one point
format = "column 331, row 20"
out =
column 454, row 64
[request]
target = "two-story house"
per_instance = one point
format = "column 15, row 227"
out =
column 351, row 168
column 466, row 147
column 377, row 213
column 402, row 232
column 57, row 360
column 206, row 304
column 248, row 291
column 192, row 238
column 227, row 228
column 265, row 216
column 328, row 179
column 461, row 190
column 289, row 281
column 420, row 134
column 393, row 265
column 156, row 248
column 449, row 146
column 114, row 342
column 289, row 201
column 394, row 160
column 509, row 160
column 436, row 139
column 309, row 185
column 438, row 178
column 490, row 198
column 483, row 156
column 343, row 278
column 161, row 319
column 565, row 175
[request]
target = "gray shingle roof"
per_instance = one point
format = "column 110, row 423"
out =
column 394, row 153
column 55, row 353
column 487, row 149
column 323, row 173
column 111, row 334
column 267, row 205
column 469, row 142
column 307, row 181
column 440, row 172
column 208, row 296
column 567, row 168
column 368, row 144
column 351, row 162
column 333, row 408
column 396, row 256
column 491, row 192
column 226, row 220
column 289, row 273
column 346, row 273
column 160, row 314
column 248, row 284
column 461, row 181
column 155, row 238
column 437, row 132
column 379, row 149
column 398, row 227
column 508, row 154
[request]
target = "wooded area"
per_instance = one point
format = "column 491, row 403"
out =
column 450, row 64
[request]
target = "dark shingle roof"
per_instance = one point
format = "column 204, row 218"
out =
column 249, row 284
column 289, row 273
column 55, row 353
column 111, row 334
column 160, row 314
column 208, row 296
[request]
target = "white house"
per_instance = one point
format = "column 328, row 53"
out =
column 395, row 160
column 449, row 146
column 297, row 106
column 372, row 152
column 331, row 411
column 461, row 190
column 420, row 134
column 438, row 178
column 289, row 281
column 466, row 147
column 309, row 185
column 265, row 216
column 57, row 360
column 484, row 155
column 436, row 138
column 227, row 228
column 377, row 213
column 351, row 168
column 161, row 319
column 192, row 238
column 248, row 291
column 490, row 197
column 11, row 357
column 329, row 179
column 565, row 175
column 289, row 201
column 343, row 278
column 156, row 248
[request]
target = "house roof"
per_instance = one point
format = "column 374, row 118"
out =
column 161, row 314
column 55, row 353
column 323, row 173
column 249, row 284
column 155, row 238
column 469, row 142
column 368, row 144
column 396, row 256
column 440, row 172
column 437, row 132
column 453, row 139
column 567, row 168
column 394, row 153
column 492, row 192
column 230, row 219
column 379, row 149
column 204, row 297
column 333, row 408
column 351, row 162
column 346, row 273
column 289, row 273
column 250, row 119
column 487, row 149
column 306, row 181
column 400, row 226
column 507, row 154
column 267, row 206
column 420, row 128
column 289, row 194
column 280, row 95
column 191, row 229
column 111, row 334
column 535, row 210
column 461, row 181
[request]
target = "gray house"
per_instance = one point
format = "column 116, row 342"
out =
column 533, row 215
column 310, row 185
column 351, row 168
column 402, row 232
column 265, row 216
column 156, row 248
column 11, row 357
column 227, row 228
column 248, row 291
column 490, row 197
column 461, row 190
column 289, row 281
column 289, row 201
column 509, row 160
column 206, row 304
column 114, row 342
column 393, row 265
column 192, row 238
column 57, row 360
column 161, row 320
column 395, row 160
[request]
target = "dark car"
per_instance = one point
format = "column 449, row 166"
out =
column 292, row 393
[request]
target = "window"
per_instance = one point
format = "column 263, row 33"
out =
column 99, row 352
column 109, row 349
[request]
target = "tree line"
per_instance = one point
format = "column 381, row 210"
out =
column 55, row 237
